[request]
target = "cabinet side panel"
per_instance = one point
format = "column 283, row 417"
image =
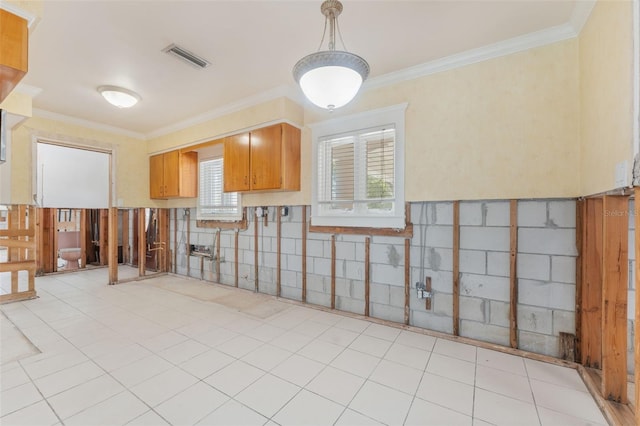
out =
column 291, row 139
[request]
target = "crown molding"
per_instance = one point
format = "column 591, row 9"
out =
column 496, row 50
column 18, row 11
column 286, row 91
column 41, row 113
column 581, row 12
column 29, row 90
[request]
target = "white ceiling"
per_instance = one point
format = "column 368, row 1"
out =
column 253, row 45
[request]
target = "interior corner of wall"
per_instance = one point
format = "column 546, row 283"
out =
column 18, row 104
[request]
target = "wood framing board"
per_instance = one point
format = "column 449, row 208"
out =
column 456, row 268
column 16, row 297
column 581, row 207
column 104, row 236
column 367, row 283
column 218, row 255
column 125, row 236
column 278, row 251
column 304, row 254
column 615, row 271
column 513, row 274
column 235, row 260
column 83, row 239
column 407, row 280
column 615, row 413
column 256, row 269
column 636, row 339
column 174, row 263
column 142, row 243
column 333, row 272
column 591, row 313
column 112, row 257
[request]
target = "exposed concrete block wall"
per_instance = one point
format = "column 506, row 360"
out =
column 546, row 267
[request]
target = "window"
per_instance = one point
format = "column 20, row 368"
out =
column 213, row 203
column 359, row 170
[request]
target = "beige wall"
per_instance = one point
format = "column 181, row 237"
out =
column 606, row 93
column 132, row 174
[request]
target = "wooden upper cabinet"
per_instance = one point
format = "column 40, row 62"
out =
column 237, row 152
column 264, row 159
column 173, row 174
column 14, row 51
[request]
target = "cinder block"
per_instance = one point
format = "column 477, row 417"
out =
column 345, row 250
column 632, row 214
column 441, row 281
column 416, row 209
column 484, row 332
column 562, row 214
column 534, row 266
column 294, row 262
column 564, row 321
column 442, row 304
column 244, row 242
column 563, row 269
column 499, row 313
column 547, row 294
column 292, row 293
column 386, row 312
column 437, row 236
column 538, row 343
column 396, row 295
column 498, row 213
column 343, row 287
column 288, row 246
column 379, row 293
column 498, row 264
column 485, row 287
column 385, row 274
column 355, row 270
column 631, row 304
column 484, row 238
column 439, row 259
column 387, row 254
column 547, row 241
column 472, row 308
column 316, row 283
column 290, row 279
column 321, row 299
column 348, row 304
column 315, row 248
column 357, row 290
column 532, row 214
column 471, row 213
column 631, row 244
column 473, row 261
column 321, row 266
column 431, row 321
column 291, row 230
column 632, row 274
column 443, row 213
column 534, row 319
column 269, row 259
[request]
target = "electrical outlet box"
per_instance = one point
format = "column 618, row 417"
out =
column 621, row 174
column 259, row 212
column 284, row 211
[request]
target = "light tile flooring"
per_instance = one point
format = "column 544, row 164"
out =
column 142, row 353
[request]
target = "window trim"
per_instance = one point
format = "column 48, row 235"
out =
column 394, row 114
column 216, row 217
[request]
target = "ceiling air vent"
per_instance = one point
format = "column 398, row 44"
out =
column 185, row 55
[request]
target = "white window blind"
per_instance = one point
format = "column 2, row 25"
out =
column 213, row 202
column 358, row 172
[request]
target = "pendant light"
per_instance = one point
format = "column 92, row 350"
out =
column 331, row 78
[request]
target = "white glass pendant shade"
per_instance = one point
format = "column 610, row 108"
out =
column 119, row 97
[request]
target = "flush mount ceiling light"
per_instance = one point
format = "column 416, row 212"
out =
column 119, row 97
column 331, row 78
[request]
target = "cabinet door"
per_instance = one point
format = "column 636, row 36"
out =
column 172, row 174
column 236, row 163
column 266, row 167
column 156, row 176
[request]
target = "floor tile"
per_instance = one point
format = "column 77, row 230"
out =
column 150, row 418
column 234, row 377
column 311, row 328
column 183, row 351
column 141, row 370
column 397, row 376
column 298, row 370
column 216, row 336
column 307, row 408
column 239, row 346
column 232, row 413
column 370, row 345
column 163, row 386
column 501, row 361
column 507, row 384
column 320, row 351
column 86, row 395
column 337, row 385
column 54, row 363
column 561, row 376
column 407, row 355
column 35, row 414
column 117, row 410
column 267, row 395
column 353, row 418
column 163, row 341
column 68, row 378
column 265, row 332
column 122, row 357
column 355, row 362
column 192, row 404
column 455, row 349
column 567, row 401
column 291, row 341
column 427, row 413
column 446, row 393
column 13, row 377
column 266, row 357
column 500, row 410
column 206, row 363
column 382, row 332
column 338, row 336
column 19, row 397
column 352, row 324
column 382, row 403
column 553, row 418
column 416, row 340
column 452, row 368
